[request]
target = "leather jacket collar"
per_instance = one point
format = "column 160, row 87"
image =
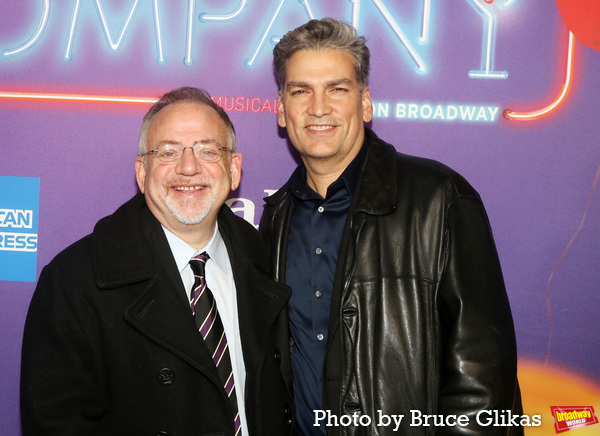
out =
column 372, row 198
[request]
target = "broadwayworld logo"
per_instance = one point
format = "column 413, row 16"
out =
column 569, row 418
column 19, row 199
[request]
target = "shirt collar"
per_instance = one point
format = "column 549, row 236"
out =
column 182, row 252
column 349, row 178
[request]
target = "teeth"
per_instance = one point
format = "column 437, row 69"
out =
column 319, row 127
column 188, row 188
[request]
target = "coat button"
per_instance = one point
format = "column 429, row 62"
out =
column 166, row 377
column 277, row 357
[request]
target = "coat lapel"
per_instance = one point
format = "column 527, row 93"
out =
column 163, row 314
column 131, row 251
column 370, row 199
column 260, row 299
column 160, row 316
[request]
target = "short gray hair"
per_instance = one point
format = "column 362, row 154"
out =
column 326, row 33
column 190, row 95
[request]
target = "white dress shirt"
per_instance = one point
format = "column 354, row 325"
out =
column 219, row 279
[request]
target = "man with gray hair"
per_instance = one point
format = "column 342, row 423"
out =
column 398, row 306
column 165, row 320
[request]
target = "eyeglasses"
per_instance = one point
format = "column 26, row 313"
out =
column 171, row 153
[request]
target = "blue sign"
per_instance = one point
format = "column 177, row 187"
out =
column 19, row 204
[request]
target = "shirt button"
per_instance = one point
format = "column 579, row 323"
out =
column 321, row 209
column 318, row 250
column 320, row 336
column 318, row 294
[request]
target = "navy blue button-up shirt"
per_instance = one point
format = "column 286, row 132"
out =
column 314, row 240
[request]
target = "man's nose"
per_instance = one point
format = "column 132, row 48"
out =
column 319, row 105
column 188, row 163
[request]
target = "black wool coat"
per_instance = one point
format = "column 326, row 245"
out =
column 111, row 348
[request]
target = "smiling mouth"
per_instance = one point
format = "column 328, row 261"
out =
column 319, row 128
column 189, row 188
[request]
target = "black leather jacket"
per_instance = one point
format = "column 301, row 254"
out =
column 420, row 321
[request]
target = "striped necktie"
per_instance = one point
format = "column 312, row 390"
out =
column 210, row 326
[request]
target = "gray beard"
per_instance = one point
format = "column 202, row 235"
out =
column 186, row 218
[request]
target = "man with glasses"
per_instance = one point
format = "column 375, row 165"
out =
column 398, row 307
column 164, row 320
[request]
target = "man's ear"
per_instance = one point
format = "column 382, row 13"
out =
column 235, row 168
column 280, row 111
column 140, row 173
column 367, row 105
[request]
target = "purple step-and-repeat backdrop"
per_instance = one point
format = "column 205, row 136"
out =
column 504, row 91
